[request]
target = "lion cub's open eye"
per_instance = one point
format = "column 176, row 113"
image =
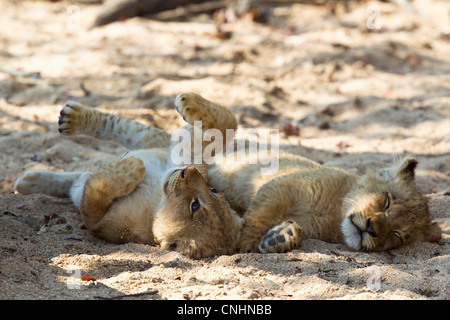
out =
column 194, row 205
column 214, row 190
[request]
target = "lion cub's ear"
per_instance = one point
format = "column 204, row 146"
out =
column 407, row 169
column 402, row 168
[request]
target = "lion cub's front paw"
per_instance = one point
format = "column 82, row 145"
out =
column 72, row 118
column 282, row 238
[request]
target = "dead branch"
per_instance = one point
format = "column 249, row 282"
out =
column 117, row 10
column 181, row 12
column 125, row 9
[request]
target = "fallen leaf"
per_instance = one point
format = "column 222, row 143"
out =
column 222, row 35
column 88, row 278
column 291, row 130
column 343, row 145
column 413, row 60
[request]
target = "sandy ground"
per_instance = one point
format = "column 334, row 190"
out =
column 352, row 97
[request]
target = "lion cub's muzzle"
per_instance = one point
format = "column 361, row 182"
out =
column 359, row 232
column 363, row 226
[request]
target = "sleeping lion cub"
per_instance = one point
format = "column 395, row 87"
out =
column 204, row 210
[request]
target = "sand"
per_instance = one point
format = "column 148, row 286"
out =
column 340, row 93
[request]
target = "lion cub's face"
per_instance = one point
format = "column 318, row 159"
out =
column 386, row 210
column 195, row 220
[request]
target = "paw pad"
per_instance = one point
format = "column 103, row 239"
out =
column 281, row 238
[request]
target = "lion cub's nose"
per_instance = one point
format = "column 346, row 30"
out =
column 189, row 171
column 369, row 228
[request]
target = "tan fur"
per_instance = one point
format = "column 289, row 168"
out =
column 131, row 199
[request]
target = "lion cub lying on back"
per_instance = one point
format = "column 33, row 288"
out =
column 145, row 197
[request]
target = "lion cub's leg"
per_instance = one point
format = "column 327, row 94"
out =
column 78, row 119
column 267, row 220
column 204, row 116
column 194, row 107
column 282, row 238
column 116, row 179
column 48, row 182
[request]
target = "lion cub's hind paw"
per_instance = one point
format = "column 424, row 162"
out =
column 29, row 183
column 71, row 118
column 282, row 238
column 193, row 107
